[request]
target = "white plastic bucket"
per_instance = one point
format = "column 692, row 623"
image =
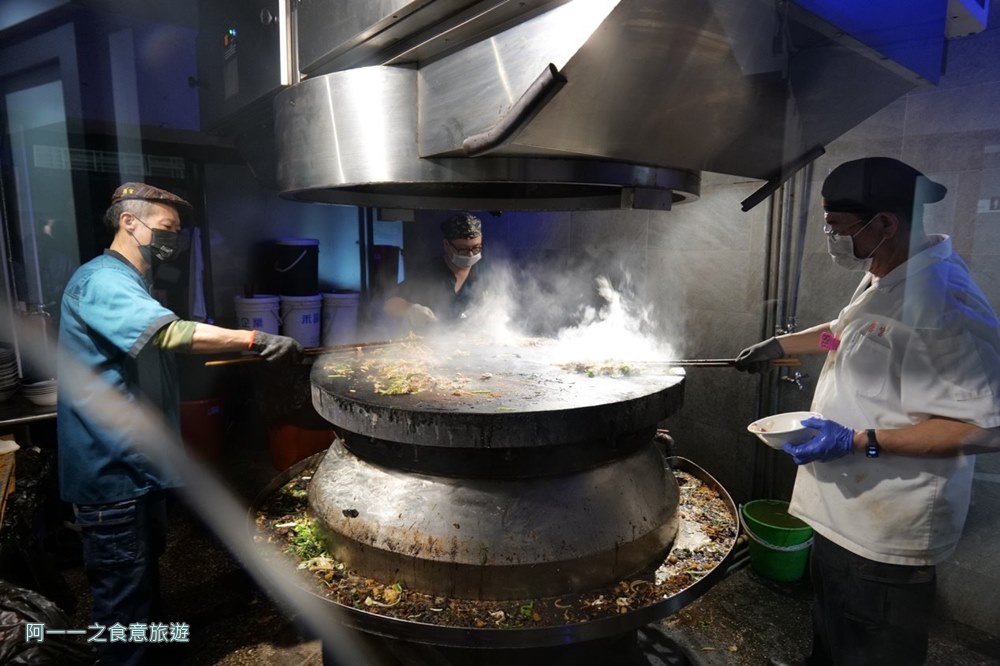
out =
column 340, row 318
column 258, row 312
column 300, row 318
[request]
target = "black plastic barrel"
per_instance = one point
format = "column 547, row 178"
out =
column 296, row 266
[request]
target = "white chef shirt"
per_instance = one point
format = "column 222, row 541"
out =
column 920, row 342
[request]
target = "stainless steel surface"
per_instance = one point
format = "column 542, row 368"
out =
column 351, row 137
column 342, row 35
column 656, row 92
column 327, row 29
column 527, row 401
column 685, row 88
column 495, row 72
column 497, row 539
column 347, row 128
column 491, row 637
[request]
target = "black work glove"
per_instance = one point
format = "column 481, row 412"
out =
column 276, row 347
column 756, row 357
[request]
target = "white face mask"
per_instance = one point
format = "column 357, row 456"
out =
column 463, row 261
column 841, row 248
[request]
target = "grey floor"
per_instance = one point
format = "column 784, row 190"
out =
column 741, row 621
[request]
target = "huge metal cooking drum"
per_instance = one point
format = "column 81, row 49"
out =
column 491, row 471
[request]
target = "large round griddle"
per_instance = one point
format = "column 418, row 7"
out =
column 485, row 469
column 486, row 394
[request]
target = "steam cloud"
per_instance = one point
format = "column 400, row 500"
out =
column 592, row 319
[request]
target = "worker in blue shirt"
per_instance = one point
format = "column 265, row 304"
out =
column 111, row 324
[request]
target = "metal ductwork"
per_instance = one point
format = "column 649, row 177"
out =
column 581, row 104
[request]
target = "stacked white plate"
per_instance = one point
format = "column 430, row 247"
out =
column 10, row 381
column 42, row 394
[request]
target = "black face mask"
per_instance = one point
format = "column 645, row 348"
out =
column 162, row 245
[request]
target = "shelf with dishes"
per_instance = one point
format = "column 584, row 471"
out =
column 21, row 402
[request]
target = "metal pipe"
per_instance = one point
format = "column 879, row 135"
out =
column 208, row 292
column 762, row 458
column 738, row 564
column 780, row 313
column 789, row 170
column 740, row 557
column 542, row 89
column 784, row 270
column 362, row 253
column 798, row 252
column 786, row 250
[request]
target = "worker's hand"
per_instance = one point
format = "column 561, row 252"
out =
column 831, row 442
column 419, row 316
column 276, row 347
column 756, row 357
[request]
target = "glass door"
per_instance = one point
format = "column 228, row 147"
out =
column 39, row 216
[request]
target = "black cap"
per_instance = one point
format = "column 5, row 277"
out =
column 874, row 184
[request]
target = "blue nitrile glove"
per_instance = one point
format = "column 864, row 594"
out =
column 832, row 441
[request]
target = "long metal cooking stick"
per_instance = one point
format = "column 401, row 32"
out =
column 701, row 363
column 309, row 351
column 785, row 362
column 729, row 362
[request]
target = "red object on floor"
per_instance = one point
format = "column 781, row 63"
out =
column 290, row 443
column 202, row 427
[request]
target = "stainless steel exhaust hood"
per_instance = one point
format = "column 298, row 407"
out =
column 580, row 104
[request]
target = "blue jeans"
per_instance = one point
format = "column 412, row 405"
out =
column 122, row 543
column 868, row 613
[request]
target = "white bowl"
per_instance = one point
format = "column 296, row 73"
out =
column 39, row 388
column 43, row 400
column 46, row 385
column 780, row 429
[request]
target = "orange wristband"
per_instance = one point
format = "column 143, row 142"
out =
column 253, row 337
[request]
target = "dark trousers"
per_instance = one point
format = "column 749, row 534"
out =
column 122, row 543
column 867, row 612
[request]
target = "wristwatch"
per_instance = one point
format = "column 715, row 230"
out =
column 872, row 449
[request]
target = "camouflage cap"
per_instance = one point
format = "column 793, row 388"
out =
column 462, row 225
column 144, row 192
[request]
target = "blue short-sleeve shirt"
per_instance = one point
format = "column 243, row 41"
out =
column 108, row 319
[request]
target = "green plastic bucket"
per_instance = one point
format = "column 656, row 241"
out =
column 779, row 542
